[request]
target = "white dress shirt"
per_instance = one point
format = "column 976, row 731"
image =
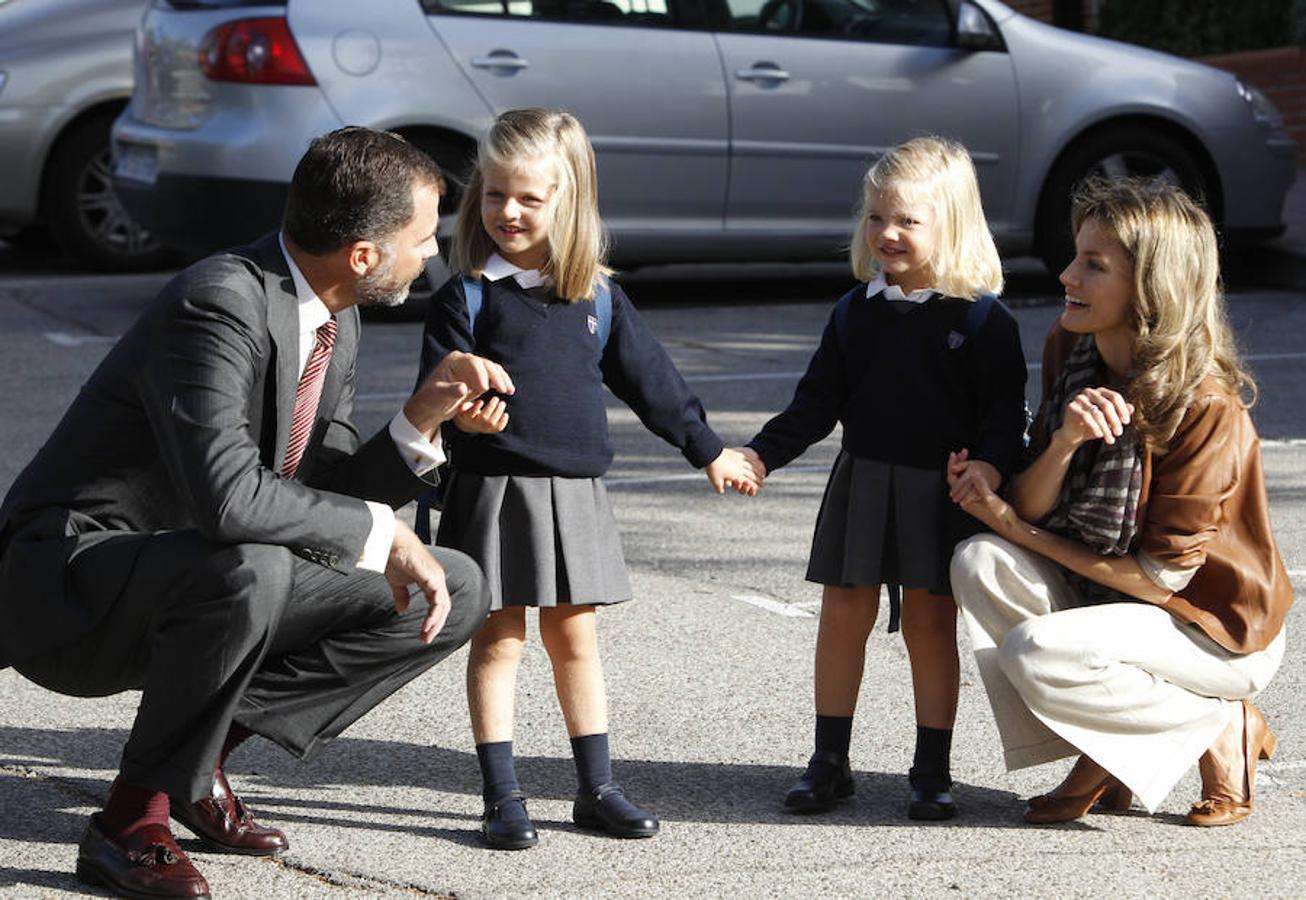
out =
column 420, row 454
column 893, row 292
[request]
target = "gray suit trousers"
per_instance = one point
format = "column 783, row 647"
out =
column 215, row 633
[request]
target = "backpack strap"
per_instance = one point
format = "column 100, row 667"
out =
column 603, row 310
column 474, row 293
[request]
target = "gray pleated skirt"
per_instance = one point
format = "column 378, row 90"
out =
column 541, row 541
column 882, row 523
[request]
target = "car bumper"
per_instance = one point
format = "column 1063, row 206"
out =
column 200, row 214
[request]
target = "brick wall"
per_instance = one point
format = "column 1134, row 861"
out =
column 1281, row 74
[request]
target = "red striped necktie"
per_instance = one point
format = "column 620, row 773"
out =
column 307, row 395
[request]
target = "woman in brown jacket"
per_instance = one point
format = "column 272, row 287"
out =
column 1131, row 598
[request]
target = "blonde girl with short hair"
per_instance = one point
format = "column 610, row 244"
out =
column 925, row 372
column 526, row 499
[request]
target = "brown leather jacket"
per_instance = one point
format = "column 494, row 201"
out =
column 1204, row 505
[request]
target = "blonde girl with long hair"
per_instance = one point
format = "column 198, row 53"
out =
column 526, row 499
column 1131, row 600
column 921, row 365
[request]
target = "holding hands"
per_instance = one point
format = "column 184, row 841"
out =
column 966, row 476
column 973, row 484
column 451, row 391
column 732, row 468
column 1095, row 413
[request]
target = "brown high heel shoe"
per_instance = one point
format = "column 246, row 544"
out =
column 1053, row 808
column 1219, row 804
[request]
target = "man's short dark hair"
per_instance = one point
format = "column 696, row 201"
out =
column 355, row 184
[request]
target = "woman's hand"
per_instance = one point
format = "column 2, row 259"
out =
column 1094, row 414
column 981, row 502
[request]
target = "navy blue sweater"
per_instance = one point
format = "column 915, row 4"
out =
column 903, row 394
column 557, row 422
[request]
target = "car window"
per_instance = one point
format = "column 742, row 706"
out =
column 919, row 22
column 614, row 12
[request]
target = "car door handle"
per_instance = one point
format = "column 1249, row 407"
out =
column 762, row 72
column 500, row 59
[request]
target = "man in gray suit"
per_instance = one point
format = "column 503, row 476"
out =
column 204, row 525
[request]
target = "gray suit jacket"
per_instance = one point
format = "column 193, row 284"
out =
column 184, row 425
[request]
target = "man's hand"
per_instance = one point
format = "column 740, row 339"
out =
column 732, row 469
column 453, row 388
column 477, row 372
column 412, row 566
column 483, row 417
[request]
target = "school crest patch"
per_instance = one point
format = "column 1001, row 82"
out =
column 955, row 339
column 592, row 324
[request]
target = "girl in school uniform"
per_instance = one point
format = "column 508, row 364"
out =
column 527, row 501
column 916, row 363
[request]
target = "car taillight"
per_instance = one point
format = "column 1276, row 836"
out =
column 254, row 51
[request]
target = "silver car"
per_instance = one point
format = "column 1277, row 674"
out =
column 724, row 129
column 65, row 75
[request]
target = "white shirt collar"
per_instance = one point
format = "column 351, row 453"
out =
column 497, row 268
column 313, row 313
column 893, row 292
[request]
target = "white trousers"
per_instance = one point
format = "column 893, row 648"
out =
column 1138, row 691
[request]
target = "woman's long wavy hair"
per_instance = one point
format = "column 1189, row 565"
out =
column 1178, row 314
column 938, row 172
column 578, row 243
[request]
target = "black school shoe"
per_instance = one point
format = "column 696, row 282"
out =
column 931, row 799
column 506, row 825
column 827, row 781
column 607, row 809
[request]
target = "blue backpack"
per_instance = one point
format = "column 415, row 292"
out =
column 474, row 292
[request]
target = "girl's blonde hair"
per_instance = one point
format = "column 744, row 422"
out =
column 939, row 172
column 1178, row 310
column 578, row 243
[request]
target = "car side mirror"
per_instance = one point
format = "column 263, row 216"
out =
column 974, row 30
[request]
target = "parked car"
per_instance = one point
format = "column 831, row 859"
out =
column 724, row 129
column 65, row 75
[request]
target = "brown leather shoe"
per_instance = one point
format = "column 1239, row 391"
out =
column 1060, row 806
column 148, row 863
column 1223, row 803
column 223, row 823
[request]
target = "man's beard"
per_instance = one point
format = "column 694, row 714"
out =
column 379, row 287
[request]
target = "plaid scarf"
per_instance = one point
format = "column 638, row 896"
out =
column 1098, row 504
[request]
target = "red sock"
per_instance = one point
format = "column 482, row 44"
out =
column 237, row 734
column 130, row 807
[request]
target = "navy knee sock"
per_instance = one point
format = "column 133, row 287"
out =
column 834, row 734
column 930, row 765
column 498, row 777
column 593, row 762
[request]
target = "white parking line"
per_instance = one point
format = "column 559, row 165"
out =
column 775, row 606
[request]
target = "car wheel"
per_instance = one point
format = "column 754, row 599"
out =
column 1121, row 152
column 82, row 211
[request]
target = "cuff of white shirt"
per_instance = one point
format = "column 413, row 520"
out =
column 1167, row 578
column 376, row 549
column 420, row 454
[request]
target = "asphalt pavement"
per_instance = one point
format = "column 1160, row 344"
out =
column 709, row 669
